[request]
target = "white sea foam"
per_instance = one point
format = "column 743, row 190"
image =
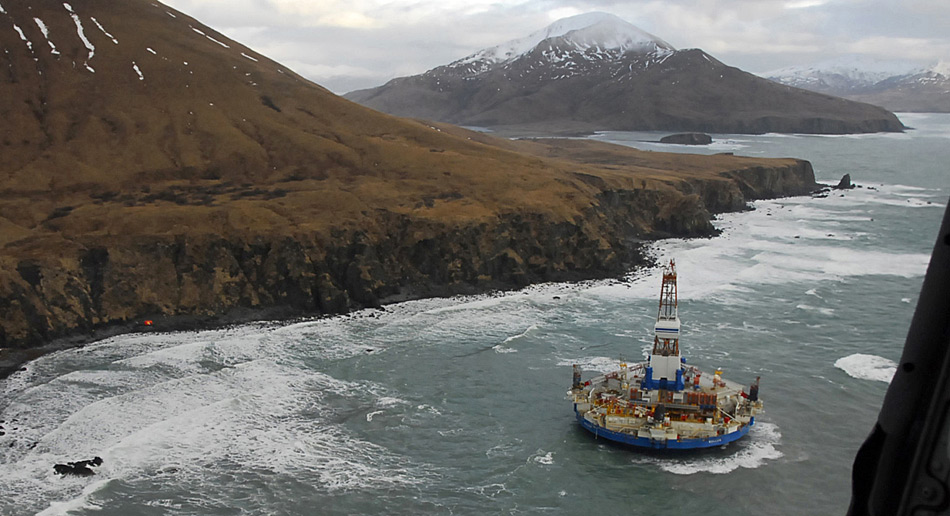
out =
column 429, row 409
column 909, row 188
column 211, row 397
column 543, row 458
column 867, row 367
column 81, row 502
column 467, row 304
column 821, row 310
column 599, row 364
column 522, row 334
column 753, row 451
column 389, row 401
column 784, row 241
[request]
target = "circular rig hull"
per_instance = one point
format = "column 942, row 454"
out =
column 664, row 444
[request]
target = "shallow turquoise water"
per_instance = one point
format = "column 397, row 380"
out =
column 456, row 406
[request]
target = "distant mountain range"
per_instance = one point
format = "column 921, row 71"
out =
column 894, row 85
column 595, row 71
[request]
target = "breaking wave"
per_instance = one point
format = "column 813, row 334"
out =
column 753, row 452
column 867, row 367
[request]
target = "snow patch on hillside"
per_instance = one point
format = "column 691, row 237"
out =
column 45, row 30
column 82, row 35
column 104, row 31
column 29, row 44
column 209, row 37
column 597, row 30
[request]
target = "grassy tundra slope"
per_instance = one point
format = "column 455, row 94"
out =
column 152, row 167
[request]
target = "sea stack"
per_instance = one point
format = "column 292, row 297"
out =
column 687, row 139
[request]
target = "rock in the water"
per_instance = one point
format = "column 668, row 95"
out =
column 688, row 139
column 845, row 183
column 82, row 468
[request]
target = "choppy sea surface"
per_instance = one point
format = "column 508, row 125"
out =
column 457, row 406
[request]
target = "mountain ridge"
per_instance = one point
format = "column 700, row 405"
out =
column 895, row 85
column 651, row 86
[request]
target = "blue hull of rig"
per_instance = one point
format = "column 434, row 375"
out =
column 662, row 444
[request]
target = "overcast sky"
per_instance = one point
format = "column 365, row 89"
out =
column 351, row 44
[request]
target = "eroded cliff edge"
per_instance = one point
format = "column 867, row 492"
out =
column 73, row 280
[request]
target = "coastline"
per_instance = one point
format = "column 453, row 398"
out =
column 202, row 280
column 13, row 360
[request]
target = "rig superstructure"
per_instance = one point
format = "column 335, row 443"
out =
column 664, row 403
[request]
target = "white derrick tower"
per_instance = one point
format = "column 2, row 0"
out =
column 665, row 370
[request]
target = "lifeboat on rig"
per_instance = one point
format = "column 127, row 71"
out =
column 664, row 403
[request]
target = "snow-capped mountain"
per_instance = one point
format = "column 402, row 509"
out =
column 596, row 71
column 894, row 85
column 605, row 33
column 841, row 75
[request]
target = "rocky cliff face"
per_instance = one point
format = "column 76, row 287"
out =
column 114, row 280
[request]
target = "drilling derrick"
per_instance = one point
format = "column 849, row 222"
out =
column 666, row 340
column 665, row 370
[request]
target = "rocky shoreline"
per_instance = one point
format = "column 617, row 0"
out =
column 190, row 282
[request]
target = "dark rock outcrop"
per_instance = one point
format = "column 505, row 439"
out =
column 845, row 183
column 687, row 139
column 81, row 468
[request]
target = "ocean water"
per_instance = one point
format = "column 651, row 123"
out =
column 457, row 406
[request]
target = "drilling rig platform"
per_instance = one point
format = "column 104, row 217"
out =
column 664, row 403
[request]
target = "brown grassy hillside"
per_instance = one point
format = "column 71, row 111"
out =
column 219, row 180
